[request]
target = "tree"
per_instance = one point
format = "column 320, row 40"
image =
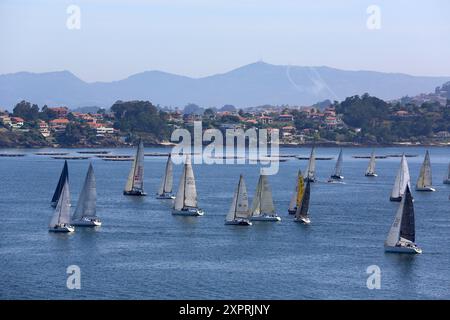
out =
column 228, row 108
column 192, row 108
column 26, row 111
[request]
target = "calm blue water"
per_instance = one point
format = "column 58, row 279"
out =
column 143, row 252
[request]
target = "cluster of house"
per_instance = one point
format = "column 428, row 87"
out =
column 97, row 122
column 269, row 117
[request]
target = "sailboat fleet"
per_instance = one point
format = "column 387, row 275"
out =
column 400, row 239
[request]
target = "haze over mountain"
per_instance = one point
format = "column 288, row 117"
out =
column 250, row 85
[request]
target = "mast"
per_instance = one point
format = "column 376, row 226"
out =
column 401, row 180
column 371, row 167
column 338, row 167
column 135, row 177
column 166, row 185
column 310, row 170
column 256, row 204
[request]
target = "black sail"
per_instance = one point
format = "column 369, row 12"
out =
column 302, row 210
column 407, row 228
column 62, row 179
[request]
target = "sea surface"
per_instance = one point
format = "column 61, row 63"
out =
column 143, row 252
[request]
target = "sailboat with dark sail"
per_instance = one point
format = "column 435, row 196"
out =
column 165, row 190
column 301, row 215
column 370, row 172
column 401, row 181
column 447, row 178
column 85, row 214
column 402, row 234
column 62, row 180
column 135, row 181
column 298, row 193
column 337, row 174
column 310, row 173
column 262, row 205
column 185, row 203
column 60, row 221
column 239, row 211
column 425, row 182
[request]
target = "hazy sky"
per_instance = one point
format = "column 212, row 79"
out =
column 201, row 37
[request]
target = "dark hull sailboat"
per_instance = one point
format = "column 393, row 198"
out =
column 59, row 187
column 302, row 211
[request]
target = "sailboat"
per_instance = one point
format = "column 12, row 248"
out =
column 401, row 236
column 60, row 221
column 310, row 174
column 85, row 212
column 239, row 211
column 62, row 179
column 370, row 172
column 401, row 181
column 262, row 205
column 337, row 174
column 135, row 182
column 298, row 194
column 185, row 203
column 165, row 190
column 424, row 182
column 447, row 178
column 301, row 215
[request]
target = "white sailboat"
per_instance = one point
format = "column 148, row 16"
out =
column 401, row 180
column 262, row 205
column 447, row 178
column 60, row 221
column 401, row 236
column 424, row 182
column 301, row 215
column 370, row 172
column 85, row 214
column 185, row 203
column 165, row 190
column 135, row 182
column 337, row 174
column 310, row 173
column 298, row 193
column 239, row 211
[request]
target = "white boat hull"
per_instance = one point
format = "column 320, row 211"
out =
column 266, row 218
column 426, row 189
column 302, row 220
column 62, row 229
column 238, row 222
column 87, row 222
column 403, row 249
column 190, row 212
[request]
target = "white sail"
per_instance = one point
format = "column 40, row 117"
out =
column 425, row 179
column 401, row 180
column 136, row 176
column 263, row 202
column 371, row 166
column 338, row 167
column 86, row 206
column 187, row 192
column 62, row 211
column 167, row 182
column 239, row 206
column 394, row 232
column 311, row 169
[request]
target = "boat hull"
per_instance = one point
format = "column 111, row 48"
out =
column 335, row 177
column 189, row 212
column 408, row 250
column 166, row 196
column 266, row 218
column 447, row 181
column 62, row 229
column 302, row 220
column 425, row 189
column 238, row 222
column 396, row 199
column 292, row 211
column 87, row 222
column 134, row 193
column 310, row 179
column 371, row 175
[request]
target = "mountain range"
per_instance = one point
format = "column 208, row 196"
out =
column 254, row 84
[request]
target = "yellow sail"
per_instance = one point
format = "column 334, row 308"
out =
column 300, row 189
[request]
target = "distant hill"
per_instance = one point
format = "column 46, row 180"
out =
column 251, row 85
